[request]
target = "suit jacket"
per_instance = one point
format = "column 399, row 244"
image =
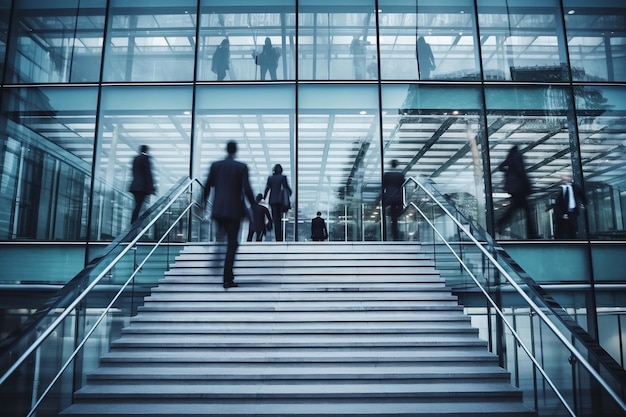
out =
column 392, row 187
column 561, row 202
column 142, row 175
column 515, row 178
column 275, row 183
column 318, row 228
column 231, row 182
column 259, row 214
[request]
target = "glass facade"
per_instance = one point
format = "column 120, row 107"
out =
column 445, row 89
column 333, row 91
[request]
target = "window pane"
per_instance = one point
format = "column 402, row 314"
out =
column 535, row 120
column 60, row 41
column 339, row 160
column 601, row 125
column 429, row 138
column 336, row 42
column 522, row 41
column 596, row 39
column 150, row 41
column 159, row 117
column 262, row 128
column 426, row 39
column 47, row 161
column 247, row 40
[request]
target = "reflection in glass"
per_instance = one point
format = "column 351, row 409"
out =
column 601, row 127
column 147, row 43
column 334, row 44
column 521, row 42
column 535, row 120
column 247, row 27
column 47, row 162
column 159, row 117
column 339, row 161
column 262, row 128
column 63, row 48
column 435, row 132
column 419, row 40
column 596, row 40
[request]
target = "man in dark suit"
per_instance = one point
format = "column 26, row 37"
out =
column 319, row 232
column 569, row 199
column 230, row 180
column 143, row 183
column 393, row 180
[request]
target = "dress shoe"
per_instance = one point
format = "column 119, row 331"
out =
column 230, row 285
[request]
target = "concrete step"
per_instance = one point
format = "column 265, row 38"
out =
column 344, row 408
column 398, row 357
column 255, row 390
column 345, row 329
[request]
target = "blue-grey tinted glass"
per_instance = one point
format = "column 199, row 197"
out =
column 57, row 41
column 596, row 39
column 426, row 40
column 601, row 112
column 435, row 132
column 339, row 159
column 131, row 116
column 260, row 119
column 337, row 42
column 47, row 162
column 246, row 40
column 535, row 121
column 150, row 41
column 5, row 16
column 522, row 40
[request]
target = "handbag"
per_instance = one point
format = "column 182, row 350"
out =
column 284, row 200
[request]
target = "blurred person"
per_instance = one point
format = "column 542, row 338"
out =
column 230, row 181
column 143, row 182
column 319, row 232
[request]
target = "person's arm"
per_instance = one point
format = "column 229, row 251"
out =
column 267, row 188
column 286, row 184
column 247, row 190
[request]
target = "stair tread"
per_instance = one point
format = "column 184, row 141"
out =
column 371, row 330
column 302, row 408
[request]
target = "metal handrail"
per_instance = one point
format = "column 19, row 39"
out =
column 67, row 310
column 522, row 293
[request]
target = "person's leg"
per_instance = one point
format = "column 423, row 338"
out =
column 277, row 216
column 263, row 72
column 273, row 73
column 232, row 232
column 395, row 213
column 139, row 199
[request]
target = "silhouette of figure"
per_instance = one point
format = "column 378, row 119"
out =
column 257, row 223
column 568, row 202
column 357, row 50
column 372, row 69
column 221, row 60
column 229, row 179
column 517, row 184
column 393, row 180
column 277, row 184
column 267, row 60
column 143, row 182
column 425, row 59
column 319, row 232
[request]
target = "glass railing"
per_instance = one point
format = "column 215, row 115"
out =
column 48, row 358
column 556, row 363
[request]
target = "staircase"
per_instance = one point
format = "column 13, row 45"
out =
column 314, row 329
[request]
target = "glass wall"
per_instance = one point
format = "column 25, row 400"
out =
column 331, row 90
column 596, row 39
